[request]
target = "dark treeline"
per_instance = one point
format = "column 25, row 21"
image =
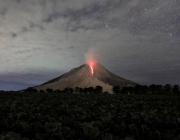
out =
column 144, row 89
column 97, row 90
column 138, row 89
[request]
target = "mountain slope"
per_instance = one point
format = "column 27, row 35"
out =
column 82, row 77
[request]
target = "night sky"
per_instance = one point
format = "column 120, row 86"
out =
column 136, row 39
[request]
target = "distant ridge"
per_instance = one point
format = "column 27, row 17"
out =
column 82, row 77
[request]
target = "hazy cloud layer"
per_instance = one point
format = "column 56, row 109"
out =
column 136, row 39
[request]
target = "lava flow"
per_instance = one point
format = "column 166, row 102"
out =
column 92, row 70
column 91, row 65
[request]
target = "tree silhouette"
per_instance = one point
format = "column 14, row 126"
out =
column 77, row 89
column 57, row 91
column 41, row 91
column 138, row 89
column 30, row 89
column 144, row 89
column 167, row 88
column 49, row 90
column 35, row 90
column 68, row 90
column 106, row 92
column 90, row 89
column 116, row 89
column 86, row 90
column 175, row 89
column 159, row 87
column 98, row 89
column 81, row 90
column 153, row 88
column 127, row 90
column 124, row 90
column 71, row 90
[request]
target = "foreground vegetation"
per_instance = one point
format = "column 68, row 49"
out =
column 138, row 89
column 57, row 116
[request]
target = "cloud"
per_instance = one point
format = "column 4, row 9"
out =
column 36, row 25
column 136, row 39
column 14, row 35
column 3, row 11
column 95, row 11
column 72, row 47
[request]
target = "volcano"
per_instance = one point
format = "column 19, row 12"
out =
column 87, row 76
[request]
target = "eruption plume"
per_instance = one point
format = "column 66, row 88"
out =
column 91, row 57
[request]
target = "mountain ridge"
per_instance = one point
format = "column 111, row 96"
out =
column 82, row 77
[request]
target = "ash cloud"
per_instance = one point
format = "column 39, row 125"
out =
column 91, row 56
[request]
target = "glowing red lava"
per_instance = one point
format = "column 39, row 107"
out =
column 91, row 65
column 92, row 70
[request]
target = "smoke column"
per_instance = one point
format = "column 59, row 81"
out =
column 91, row 59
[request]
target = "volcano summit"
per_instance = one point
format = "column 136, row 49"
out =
column 87, row 76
